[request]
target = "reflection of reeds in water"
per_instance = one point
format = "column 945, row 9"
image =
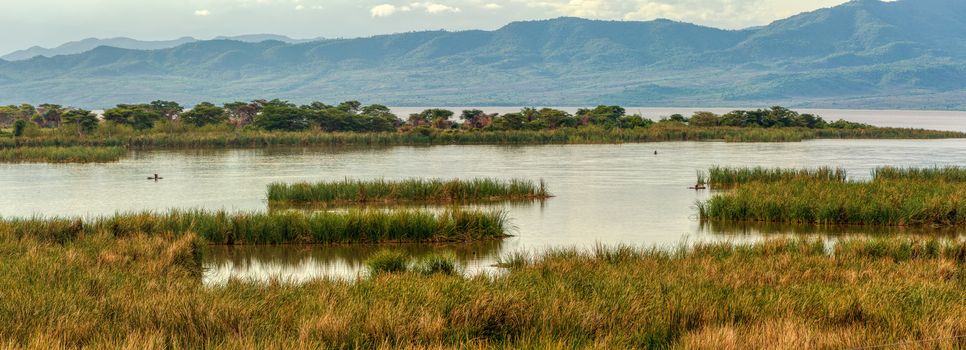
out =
column 289, row 227
column 353, row 255
column 407, row 191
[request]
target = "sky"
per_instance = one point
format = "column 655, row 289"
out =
column 50, row 23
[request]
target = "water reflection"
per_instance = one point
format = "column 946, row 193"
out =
column 298, row 263
column 606, row 194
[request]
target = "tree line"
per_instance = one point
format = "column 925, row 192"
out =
column 353, row 116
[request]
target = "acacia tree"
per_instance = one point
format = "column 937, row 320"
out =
column 140, row 116
column 288, row 118
column 205, row 113
column 475, row 119
column 48, row 115
column 242, row 113
column 168, row 109
column 85, row 121
column 438, row 117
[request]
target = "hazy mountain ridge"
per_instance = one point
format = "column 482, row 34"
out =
column 81, row 46
column 866, row 53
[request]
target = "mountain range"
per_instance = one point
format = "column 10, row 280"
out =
column 908, row 54
column 75, row 47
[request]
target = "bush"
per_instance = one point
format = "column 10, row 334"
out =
column 387, row 261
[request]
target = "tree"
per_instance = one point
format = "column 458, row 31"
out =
column 510, row 121
column 205, row 113
column 141, row 117
column 350, row 106
column 475, row 119
column 634, row 121
column 168, row 109
column 282, row 117
column 48, row 115
column 555, row 118
column 704, row 119
column 8, row 114
column 601, row 115
column 85, row 121
column 242, row 113
column 18, row 127
column 439, row 118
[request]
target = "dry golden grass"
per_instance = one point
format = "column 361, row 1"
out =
column 143, row 291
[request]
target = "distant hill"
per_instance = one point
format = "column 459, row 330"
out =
column 85, row 45
column 862, row 54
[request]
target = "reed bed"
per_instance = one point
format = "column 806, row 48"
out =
column 950, row 174
column 728, row 177
column 140, row 291
column 883, row 202
column 290, row 227
column 411, row 190
column 583, row 135
column 55, row 154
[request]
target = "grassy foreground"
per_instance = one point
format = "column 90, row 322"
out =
column 53, row 154
column 278, row 227
column 411, row 190
column 144, row 292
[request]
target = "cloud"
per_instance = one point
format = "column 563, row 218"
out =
column 434, row 8
column 384, row 10
column 492, row 6
column 202, row 13
column 723, row 13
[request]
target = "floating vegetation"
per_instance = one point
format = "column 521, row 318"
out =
column 289, row 227
column 412, row 190
column 53, row 154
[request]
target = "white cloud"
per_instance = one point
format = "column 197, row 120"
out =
column 384, row 10
column 299, row 7
column 722, row 13
column 492, row 6
column 434, row 8
column 202, row 13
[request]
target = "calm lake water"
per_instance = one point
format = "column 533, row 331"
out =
column 605, row 194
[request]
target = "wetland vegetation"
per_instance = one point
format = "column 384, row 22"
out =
column 53, row 154
column 261, row 123
column 893, row 197
column 278, row 227
column 407, row 191
column 144, row 291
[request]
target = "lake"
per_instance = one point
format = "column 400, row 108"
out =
column 604, row 194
